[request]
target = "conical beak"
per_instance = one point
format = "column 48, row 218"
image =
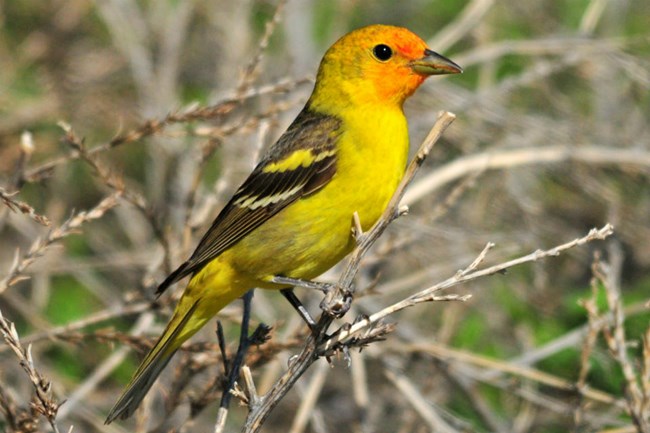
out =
column 434, row 64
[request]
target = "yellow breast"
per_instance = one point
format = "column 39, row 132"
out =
column 313, row 234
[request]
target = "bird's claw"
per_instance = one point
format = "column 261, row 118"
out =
column 337, row 307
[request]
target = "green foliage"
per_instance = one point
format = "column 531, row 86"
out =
column 70, row 301
column 66, row 362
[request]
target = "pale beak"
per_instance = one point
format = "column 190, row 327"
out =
column 434, row 64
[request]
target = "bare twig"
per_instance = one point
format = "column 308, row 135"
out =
column 509, row 158
column 17, row 205
column 335, row 299
column 449, row 354
column 157, row 126
column 418, row 402
column 462, row 276
column 252, row 69
column 464, row 23
column 588, row 345
column 44, row 402
column 608, row 275
column 38, row 248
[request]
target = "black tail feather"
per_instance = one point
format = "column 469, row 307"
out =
column 182, row 271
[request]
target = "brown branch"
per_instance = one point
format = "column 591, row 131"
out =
column 465, row 275
column 17, row 205
column 608, row 274
column 43, row 403
column 537, row 155
column 252, row 69
column 455, row 355
column 39, row 247
column 156, row 126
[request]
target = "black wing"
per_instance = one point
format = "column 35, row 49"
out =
column 265, row 193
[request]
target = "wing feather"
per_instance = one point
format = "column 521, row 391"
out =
column 266, row 192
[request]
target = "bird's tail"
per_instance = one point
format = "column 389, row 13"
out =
column 176, row 332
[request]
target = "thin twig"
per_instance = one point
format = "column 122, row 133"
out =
column 157, row 126
column 39, row 247
column 252, row 69
column 608, row 274
column 44, row 403
column 462, row 276
column 336, row 298
column 17, row 205
column 449, row 354
column 418, row 402
column 509, row 158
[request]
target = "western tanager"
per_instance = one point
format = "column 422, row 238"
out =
column 345, row 152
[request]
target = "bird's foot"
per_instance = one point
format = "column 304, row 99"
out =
column 335, row 305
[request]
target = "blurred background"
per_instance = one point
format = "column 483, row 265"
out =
column 126, row 125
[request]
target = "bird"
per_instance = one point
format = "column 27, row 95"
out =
column 345, row 153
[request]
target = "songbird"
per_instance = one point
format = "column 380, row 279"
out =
column 346, row 152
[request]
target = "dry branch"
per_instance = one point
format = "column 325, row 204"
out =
column 418, row 402
column 40, row 246
column 157, row 126
column 462, row 276
column 510, row 158
column 17, row 205
column 636, row 382
column 44, row 403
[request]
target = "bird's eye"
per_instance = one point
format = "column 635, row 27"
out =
column 382, row 52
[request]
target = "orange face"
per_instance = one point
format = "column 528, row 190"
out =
column 379, row 63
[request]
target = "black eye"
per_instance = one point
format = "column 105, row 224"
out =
column 382, row 52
